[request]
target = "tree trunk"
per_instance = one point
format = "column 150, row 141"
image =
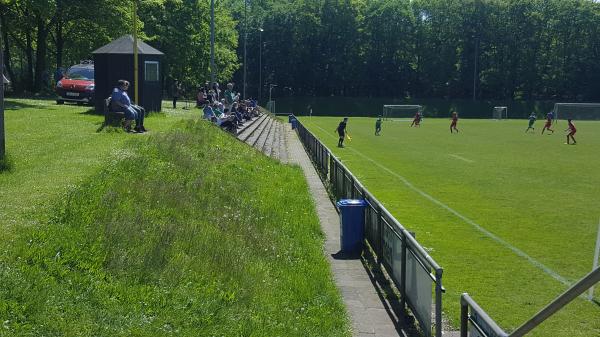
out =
column 29, row 56
column 60, row 43
column 2, row 137
column 41, row 73
column 7, row 64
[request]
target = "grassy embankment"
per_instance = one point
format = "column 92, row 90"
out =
column 183, row 231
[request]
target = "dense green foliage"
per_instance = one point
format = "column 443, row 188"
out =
column 529, row 190
column 40, row 36
column 482, row 49
column 522, row 49
column 186, row 232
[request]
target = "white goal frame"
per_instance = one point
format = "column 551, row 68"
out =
column 388, row 107
column 500, row 113
column 575, row 113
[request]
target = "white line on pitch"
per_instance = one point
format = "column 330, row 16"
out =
column 461, row 158
column 491, row 235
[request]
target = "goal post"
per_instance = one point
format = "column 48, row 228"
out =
column 500, row 112
column 400, row 111
column 577, row 111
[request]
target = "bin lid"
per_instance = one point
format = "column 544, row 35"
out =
column 351, row 202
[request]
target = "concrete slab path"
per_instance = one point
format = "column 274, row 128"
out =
column 370, row 312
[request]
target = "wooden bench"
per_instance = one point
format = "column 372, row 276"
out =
column 112, row 117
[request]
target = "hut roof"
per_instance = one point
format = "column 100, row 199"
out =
column 124, row 45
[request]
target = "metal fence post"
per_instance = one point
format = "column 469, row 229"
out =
column 326, row 162
column 438, row 302
column 379, row 249
column 332, row 177
column 318, row 156
column 343, row 183
column 464, row 317
column 403, row 258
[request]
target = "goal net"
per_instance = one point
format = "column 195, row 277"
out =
column 500, row 112
column 579, row 111
column 400, row 111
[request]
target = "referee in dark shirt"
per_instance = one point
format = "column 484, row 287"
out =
column 341, row 130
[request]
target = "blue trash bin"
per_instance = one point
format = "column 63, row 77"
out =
column 352, row 225
column 294, row 124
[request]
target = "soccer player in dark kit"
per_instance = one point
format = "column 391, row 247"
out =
column 416, row 120
column 454, row 121
column 341, row 130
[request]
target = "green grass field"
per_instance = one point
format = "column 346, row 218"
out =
column 511, row 217
column 183, row 231
column 52, row 148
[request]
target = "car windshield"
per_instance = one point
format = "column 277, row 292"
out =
column 80, row 73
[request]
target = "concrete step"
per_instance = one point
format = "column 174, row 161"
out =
column 247, row 124
column 276, row 140
column 262, row 137
column 249, row 129
column 249, row 136
column 283, row 149
column 268, row 135
column 268, row 146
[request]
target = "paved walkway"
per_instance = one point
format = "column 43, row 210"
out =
column 371, row 314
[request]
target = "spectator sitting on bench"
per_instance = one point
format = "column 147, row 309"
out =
column 120, row 102
column 224, row 120
column 238, row 118
column 208, row 112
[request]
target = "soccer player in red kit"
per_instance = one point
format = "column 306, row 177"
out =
column 454, row 121
column 417, row 119
column 548, row 125
column 572, row 130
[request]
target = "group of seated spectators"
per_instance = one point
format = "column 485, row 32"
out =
column 225, row 108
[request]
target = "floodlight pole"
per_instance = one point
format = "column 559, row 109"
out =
column 475, row 68
column 2, row 141
column 212, row 43
column 135, row 55
column 271, row 89
column 245, row 43
column 260, row 65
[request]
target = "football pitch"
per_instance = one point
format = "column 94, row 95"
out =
column 512, row 217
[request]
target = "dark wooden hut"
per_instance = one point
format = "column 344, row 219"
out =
column 114, row 61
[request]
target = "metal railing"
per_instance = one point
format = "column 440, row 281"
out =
column 415, row 274
column 472, row 316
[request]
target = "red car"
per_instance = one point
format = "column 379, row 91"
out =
column 77, row 85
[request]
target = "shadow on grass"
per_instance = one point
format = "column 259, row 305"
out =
column 14, row 105
column 6, row 164
column 109, row 128
column 91, row 111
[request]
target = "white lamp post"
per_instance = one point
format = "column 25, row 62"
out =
column 260, row 64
